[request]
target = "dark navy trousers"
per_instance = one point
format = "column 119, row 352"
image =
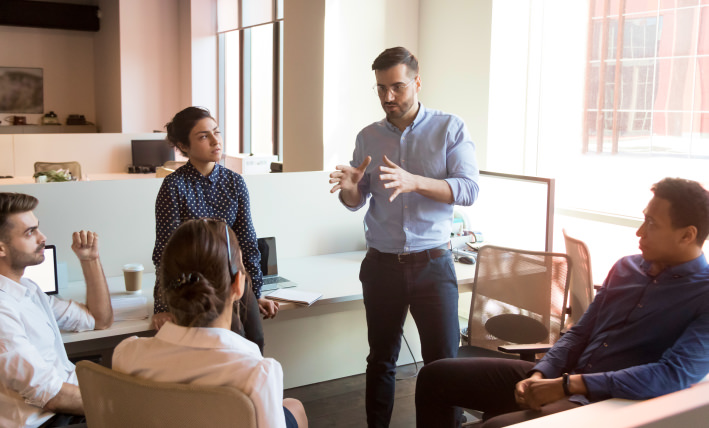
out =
column 428, row 288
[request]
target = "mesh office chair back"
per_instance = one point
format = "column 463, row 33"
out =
column 581, row 285
column 518, row 298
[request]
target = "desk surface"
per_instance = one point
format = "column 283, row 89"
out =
column 87, row 177
column 336, row 276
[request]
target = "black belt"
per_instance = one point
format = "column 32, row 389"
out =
column 421, row 256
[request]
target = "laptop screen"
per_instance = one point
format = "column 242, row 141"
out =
column 269, row 260
column 45, row 273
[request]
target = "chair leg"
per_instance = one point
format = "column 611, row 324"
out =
column 412, row 357
column 473, row 417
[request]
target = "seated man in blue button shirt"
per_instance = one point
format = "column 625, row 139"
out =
column 422, row 163
column 645, row 334
column 38, row 385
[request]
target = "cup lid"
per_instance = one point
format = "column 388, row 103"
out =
column 133, row 267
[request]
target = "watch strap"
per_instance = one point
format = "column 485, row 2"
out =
column 565, row 382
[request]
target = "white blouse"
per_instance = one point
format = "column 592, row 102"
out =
column 32, row 355
column 207, row 356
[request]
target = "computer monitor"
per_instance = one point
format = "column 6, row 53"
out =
column 514, row 211
column 45, row 273
column 151, row 153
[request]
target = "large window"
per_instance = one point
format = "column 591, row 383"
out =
column 646, row 69
column 250, row 75
column 606, row 96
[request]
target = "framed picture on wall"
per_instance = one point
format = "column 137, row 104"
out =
column 21, row 90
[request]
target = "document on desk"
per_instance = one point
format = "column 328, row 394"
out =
column 130, row 308
column 300, row 297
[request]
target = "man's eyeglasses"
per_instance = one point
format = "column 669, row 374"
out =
column 396, row 89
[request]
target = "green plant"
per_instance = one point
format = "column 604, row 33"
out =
column 55, row 176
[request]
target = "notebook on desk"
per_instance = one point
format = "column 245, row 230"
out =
column 45, row 273
column 269, row 266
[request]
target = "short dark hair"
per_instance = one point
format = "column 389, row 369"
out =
column 195, row 279
column 178, row 130
column 689, row 204
column 14, row 203
column 394, row 56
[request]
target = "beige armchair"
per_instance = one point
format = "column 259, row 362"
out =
column 113, row 399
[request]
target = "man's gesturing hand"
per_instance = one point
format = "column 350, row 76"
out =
column 346, row 177
column 399, row 180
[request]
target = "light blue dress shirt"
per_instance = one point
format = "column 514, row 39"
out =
column 436, row 145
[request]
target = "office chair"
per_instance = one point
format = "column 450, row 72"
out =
column 113, row 399
column 517, row 305
column 73, row 167
column 581, row 288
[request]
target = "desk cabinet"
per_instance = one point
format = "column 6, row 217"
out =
column 48, row 129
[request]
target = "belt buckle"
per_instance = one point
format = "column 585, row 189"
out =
column 399, row 255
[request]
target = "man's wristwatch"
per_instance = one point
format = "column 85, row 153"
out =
column 565, row 384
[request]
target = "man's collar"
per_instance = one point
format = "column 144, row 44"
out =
column 419, row 117
column 12, row 288
column 697, row 264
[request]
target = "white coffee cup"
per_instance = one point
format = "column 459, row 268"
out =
column 133, row 276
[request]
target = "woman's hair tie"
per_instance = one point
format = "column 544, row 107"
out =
column 183, row 279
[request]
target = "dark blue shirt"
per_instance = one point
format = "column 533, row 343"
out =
column 186, row 194
column 642, row 336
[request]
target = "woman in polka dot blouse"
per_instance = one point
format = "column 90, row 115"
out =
column 204, row 189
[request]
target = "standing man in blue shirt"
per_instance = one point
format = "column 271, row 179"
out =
column 415, row 165
column 646, row 333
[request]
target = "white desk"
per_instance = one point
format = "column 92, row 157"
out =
column 77, row 291
column 336, row 276
column 324, row 341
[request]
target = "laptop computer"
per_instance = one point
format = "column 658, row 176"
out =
column 269, row 266
column 45, row 273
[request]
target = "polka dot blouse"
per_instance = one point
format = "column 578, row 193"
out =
column 186, row 194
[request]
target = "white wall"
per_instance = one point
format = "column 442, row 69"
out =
column 355, row 34
column 454, row 55
column 303, row 85
column 67, row 60
column 203, row 49
column 107, row 65
column 150, row 72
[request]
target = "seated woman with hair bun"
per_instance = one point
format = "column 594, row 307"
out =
column 202, row 277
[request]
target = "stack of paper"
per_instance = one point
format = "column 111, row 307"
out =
column 130, row 308
column 300, row 297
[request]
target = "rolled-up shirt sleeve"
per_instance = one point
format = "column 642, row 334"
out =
column 23, row 368
column 72, row 316
column 462, row 166
column 357, row 158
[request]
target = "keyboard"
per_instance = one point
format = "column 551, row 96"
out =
column 274, row 280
